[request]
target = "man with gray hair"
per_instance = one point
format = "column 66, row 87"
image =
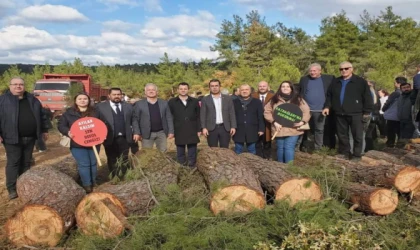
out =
column 313, row 89
column 350, row 98
column 22, row 122
column 154, row 118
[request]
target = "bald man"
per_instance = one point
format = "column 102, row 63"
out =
column 263, row 145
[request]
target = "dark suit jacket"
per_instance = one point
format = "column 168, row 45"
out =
column 326, row 79
column 250, row 121
column 142, row 115
column 186, row 120
column 267, row 124
column 105, row 110
column 208, row 113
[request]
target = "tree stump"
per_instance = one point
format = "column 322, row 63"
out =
column 372, row 200
column 235, row 187
column 50, row 199
column 279, row 182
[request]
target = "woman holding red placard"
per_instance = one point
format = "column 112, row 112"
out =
column 286, row 138
column 85, row 156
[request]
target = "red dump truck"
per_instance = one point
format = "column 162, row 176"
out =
column 52, row 90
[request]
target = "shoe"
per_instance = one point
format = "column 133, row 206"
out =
column 13, row 195
column 355, row 159
column 41, row 151
column 88, row 189
column 341, row 156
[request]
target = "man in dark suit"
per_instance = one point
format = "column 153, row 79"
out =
column 154, row 119
column 217, row 116
column 350, row 98
column 249, row 119
column 313, row 89
column 186, row 114
column 123, row 131
column 263, row 145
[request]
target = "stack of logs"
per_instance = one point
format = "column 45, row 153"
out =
column 54, row 202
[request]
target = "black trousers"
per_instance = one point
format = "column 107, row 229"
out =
column 117, row 156
column 371, row 136
column 19, row 157
column 406, row 129
column 330, row 130
column 263, row 147
column 219, row 136
column 382, row 125
column 354, row 122
column 392, row 131
column 192, row 154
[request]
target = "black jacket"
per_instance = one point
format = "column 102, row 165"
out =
column 66, row 120
column 357, row 99
column 186, row 120
column 303, row 83
column 9, row 115
column 249, row 122
column 404, row 107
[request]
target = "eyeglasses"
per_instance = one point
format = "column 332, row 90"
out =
column 341, row 69
column 17, row 84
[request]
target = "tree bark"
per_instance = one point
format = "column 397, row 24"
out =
column 67, row 166
column 234, row 186
column 379, row 155
column 372, row 200
column 50, row 199
column 275, row 178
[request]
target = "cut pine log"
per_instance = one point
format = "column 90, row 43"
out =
column 104, row 211
column 50, row 199
column 275, row 178
column 372, row 200
column 379, row 155
column 67, row 166
column 235, row 187
column 404, row 178
column 412, row 159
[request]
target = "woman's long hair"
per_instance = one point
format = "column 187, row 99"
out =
column 384, row 91
column 90, row 109
column 295, row 97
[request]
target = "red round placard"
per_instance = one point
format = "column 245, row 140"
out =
column 89, row 131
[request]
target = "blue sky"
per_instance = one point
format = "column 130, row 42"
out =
column 140, row 31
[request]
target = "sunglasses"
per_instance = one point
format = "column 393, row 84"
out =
column 341, row 69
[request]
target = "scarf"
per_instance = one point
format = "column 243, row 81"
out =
column 245, row 102
column 285, row 97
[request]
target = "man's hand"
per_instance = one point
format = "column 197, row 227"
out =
column 260, row 133
column 297, row 125
column 205, row 132
column 198, row 134
column 366, row 118
column 325, row 112
column 137, row 138
column 170, row 136
column 232, row 131
column 277, row 126
column 45, row 136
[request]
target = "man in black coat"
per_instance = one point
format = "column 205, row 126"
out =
column 350, row 99
column 249, row 120
column 22, row 122
column 313, row 89
column 123, row 130
column 186, row 115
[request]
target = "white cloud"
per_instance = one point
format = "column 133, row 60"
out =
column 119, row 2
column 152, row 5
column 118, row 26
column 201, row 25
column 47, row 13
column 316, row 9
column 31, row 45
column 183, row 9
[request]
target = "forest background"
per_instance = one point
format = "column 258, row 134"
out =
column 380, row 47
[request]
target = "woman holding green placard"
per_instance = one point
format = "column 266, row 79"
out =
column 286, row 137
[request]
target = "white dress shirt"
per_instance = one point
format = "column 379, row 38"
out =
column 114, row 107
column 218, row 105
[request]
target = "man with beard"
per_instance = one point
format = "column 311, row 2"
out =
column 263, row 145
column 249, row 119
column 123, row 131
column 405, row 103
column 186, row 114
column 217, row 116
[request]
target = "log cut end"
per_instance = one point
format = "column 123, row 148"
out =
column 407, row 179
column 101, row 214
column 236, row 198
column 383, row 201
column 296, row 190
column 35, row 225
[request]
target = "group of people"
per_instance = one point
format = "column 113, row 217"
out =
column 347, row 107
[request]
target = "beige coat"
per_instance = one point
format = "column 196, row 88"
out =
column 268, row 115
